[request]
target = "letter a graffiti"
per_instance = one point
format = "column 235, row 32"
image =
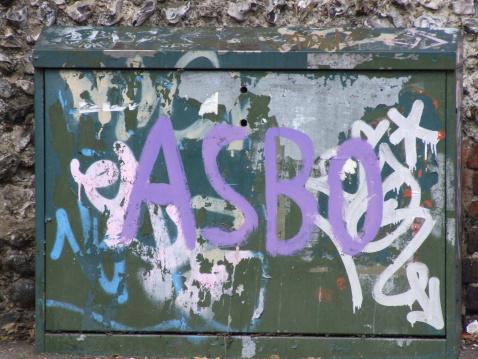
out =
column 176, row 192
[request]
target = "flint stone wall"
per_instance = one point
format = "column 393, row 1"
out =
column 20, row 25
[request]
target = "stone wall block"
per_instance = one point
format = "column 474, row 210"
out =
column 473, row 208
column 176, row 12
column 472, row 298
column 472, row 240
column 210, row 10
column 22, row 292
column 6, row 2
column 475, row 183
column 11, row 317
column 19, row 262
column 240, row 9
column 471, row 26
column 463, row 7
column 5, row 89
column 472, row 160
column 112, row 16
column 19, row 239
column 6, row 64
column 18, row 16
column 470, row 270
column 80, row 11
column 47, row 13
column 432, row 4
column 144, row 13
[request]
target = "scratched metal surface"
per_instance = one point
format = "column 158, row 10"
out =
column 125, row 47
column 323, row 213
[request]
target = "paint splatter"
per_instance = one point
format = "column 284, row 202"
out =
column 324, row 295
column 341, row 283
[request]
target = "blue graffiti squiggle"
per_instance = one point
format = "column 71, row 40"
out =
column 169, row 325
column 94, row 250
column 173, row 324
column 89, row 260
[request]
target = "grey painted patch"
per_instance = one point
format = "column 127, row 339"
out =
column 202, row 85
column 438, row 195
column 130, row 53
column 301, row 101
column 406, row 57
column 451, row 231
column 336, row 61
column 451, row 186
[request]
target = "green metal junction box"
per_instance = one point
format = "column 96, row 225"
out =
column 229, row 192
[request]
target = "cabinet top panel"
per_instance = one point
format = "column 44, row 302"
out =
column 247, row 48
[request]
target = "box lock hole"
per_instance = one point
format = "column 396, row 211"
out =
column 243, row 123
column 243, row 89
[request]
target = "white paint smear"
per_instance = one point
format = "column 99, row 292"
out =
column 260, row 306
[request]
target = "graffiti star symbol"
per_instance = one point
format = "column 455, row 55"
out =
column 409, row 130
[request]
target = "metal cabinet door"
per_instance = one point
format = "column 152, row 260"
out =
column 245, row 202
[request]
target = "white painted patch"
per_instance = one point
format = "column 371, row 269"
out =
column 350, row 167
column 260, row 307
column 116, row 108
column 214, row 282
column 248, row 347
column 234, row 74
column 86, row 107
column 210, row 105
column 166, row 257
column 157, row 284
column 403, row 342
column 99, row 103
column 319, row 270
column 81, row 338
column 218, row 205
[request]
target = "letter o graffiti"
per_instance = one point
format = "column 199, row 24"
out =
column 362, row 152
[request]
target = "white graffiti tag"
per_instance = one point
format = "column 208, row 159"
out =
column 409, row 130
